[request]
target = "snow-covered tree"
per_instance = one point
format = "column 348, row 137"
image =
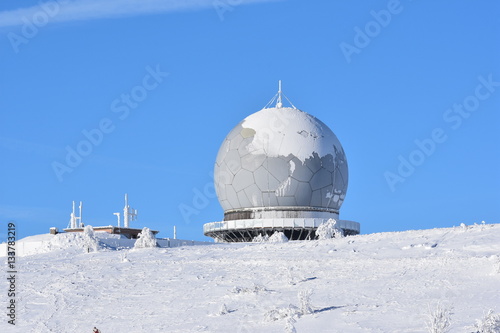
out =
column 489, row 324
column 439, row 320
column 146, row 239
column 90, row 242
column 329, row 229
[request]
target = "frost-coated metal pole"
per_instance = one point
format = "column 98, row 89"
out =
column 80, row 218
column 125, row 212
column 279, row 101
column 118, row 218
column 73, row 219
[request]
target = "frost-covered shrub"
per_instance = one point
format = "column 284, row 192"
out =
column 305, row 301
column 282, row 313
column 253, row 290
column 489, row 324
column 90, row 242
column 289, row 328
column 329, row 229
column 260, row 239
column 123, row 256
column 439, row 320
column 146, row 239
column 219, row 239
column 278, row 237
column 292, row 276
column 223, row 310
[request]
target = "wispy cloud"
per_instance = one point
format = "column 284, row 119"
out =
column 79, row 10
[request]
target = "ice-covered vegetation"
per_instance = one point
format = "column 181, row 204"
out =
column 90, row 243
column 276, row 237
column 146, row 239
column 329, row 229
column 490, row 323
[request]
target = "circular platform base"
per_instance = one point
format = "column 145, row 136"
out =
column 293, row 228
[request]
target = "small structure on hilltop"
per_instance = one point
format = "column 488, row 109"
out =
column 129, row 214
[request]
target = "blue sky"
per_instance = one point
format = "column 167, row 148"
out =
column 411, row 89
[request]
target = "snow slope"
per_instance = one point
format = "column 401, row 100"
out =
column 70, row 240
column 382, row 282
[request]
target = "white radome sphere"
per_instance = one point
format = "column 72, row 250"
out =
column 281, row 157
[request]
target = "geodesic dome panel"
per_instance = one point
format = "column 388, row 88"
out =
column 281, row 157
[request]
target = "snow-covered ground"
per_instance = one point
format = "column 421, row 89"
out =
column 386, row 282
column 47, row 243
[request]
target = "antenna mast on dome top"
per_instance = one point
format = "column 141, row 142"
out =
column 279, row 102
column 279, row 99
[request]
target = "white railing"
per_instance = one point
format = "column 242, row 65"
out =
column 294, row 223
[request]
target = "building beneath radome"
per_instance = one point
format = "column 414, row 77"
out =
column 280, row 169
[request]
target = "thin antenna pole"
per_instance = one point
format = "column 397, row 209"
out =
column 73, row 218
column 125, row 212
column 81, row 222
column 279, row 102
column 118, row 217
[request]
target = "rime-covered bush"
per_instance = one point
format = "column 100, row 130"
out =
column 289, row 328
column 90, row 243
column 439, row 320
column 223, row 310
column 146, row 239
column 253, row 290
column 291, row 311
column 329, row 229
column 260, row 239
column 278, row 237
column 219, row 239
column 282, row 313
column 489, row 324
column 305, row 301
